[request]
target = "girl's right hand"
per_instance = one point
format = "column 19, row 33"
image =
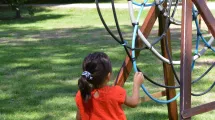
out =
column 138, row 78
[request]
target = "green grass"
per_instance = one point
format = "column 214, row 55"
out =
column 41, row 56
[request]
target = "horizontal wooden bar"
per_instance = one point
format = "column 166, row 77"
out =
column 155, row 95
column 198, row 110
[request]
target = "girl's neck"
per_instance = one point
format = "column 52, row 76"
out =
column 104, row 84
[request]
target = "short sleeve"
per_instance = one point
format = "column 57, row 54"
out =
column 120, row 94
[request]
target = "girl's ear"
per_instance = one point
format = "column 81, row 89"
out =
column 108, row 76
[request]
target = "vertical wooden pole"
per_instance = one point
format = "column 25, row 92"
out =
column 168, row 73
column 186, row 57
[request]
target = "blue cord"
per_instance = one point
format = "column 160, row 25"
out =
column 135, row 65
column 206, row 43
column 134, row 37
column 199, row 33
column 144, row 3
column 197, row 40
column 193, row 64
column 135, row 3
column 157, row 100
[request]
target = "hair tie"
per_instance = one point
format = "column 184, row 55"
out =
column 87, row 75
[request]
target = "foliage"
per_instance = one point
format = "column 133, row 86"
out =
column 16, row 5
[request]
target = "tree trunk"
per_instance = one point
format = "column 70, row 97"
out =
column 18, row 14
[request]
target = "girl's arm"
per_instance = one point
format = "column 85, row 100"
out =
column 78, row 117
column 132, row 101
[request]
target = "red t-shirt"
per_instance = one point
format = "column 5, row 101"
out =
column 108, row 106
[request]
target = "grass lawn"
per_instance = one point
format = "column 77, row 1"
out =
column 41, row 56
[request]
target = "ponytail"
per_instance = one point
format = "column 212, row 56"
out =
column 96, row 67
column 85, row 88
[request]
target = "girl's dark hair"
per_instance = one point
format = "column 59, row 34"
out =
column 98, row 65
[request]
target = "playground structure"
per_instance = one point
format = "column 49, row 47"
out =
column 161, row 9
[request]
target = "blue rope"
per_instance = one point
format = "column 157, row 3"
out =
column 143, row 4
column 206, row 43
column 157, row 100
column 134, row 37
column 135, row 65
column 199, row 33
column 193, row 64
column 135, row 3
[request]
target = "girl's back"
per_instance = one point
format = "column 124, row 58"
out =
column 105, row 104
column 95, row 99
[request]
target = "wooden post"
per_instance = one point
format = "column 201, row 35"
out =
column 186, row 57
column 168, row 73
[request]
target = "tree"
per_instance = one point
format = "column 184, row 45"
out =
column 15, row 5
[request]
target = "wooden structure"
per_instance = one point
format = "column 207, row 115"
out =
column 126, row 68
column 186, row 112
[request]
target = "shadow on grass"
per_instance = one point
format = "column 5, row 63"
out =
column 8, row 15
column 148, row 116
column 42, row 67
column 149, row 111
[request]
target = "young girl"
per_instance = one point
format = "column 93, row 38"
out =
column 95, row 99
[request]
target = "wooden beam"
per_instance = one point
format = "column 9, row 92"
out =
column 198, row 110
column 155, row 95
column 186, row 57
column 168, row 72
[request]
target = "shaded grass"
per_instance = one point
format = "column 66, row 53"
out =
column 41, row 56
